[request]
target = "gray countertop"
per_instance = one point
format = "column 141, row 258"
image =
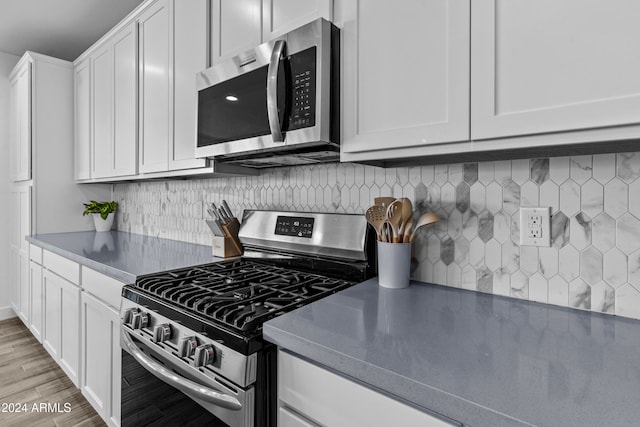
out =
column 123, row 256
column 480, row 359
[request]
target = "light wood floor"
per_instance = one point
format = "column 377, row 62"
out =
column 28, row 376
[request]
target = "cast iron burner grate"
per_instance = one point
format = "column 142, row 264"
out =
column 240, row 294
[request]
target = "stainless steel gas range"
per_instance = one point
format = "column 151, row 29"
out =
column 199, row 329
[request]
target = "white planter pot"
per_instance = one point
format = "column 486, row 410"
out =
column 103, row 224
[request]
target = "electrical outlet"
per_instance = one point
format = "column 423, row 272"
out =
column 535, row 226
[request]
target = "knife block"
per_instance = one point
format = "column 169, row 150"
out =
column 225, row 247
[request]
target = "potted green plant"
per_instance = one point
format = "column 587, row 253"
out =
column 102, row 213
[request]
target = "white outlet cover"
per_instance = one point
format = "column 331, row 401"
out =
column 544, row 213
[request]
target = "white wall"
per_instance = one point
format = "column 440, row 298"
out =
column 7, row 62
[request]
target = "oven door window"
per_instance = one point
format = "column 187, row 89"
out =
column 237, row 108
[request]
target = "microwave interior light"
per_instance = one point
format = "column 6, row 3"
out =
column 231, row 98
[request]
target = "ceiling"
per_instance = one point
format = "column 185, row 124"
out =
column 60, row 28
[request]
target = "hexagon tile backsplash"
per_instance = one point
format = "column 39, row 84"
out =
column 592, row 264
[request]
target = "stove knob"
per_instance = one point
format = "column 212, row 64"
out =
column 161, row 333
column 139, row 320
column 187, row 346
column 205, row 355
column 132, row 318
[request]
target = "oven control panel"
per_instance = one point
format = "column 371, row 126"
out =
column 294, row 226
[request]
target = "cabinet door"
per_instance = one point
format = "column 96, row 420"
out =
column 125, row 78
column 405, row 76
column 20, row 128
column 37, row 296
column 102, row 73
column 236, row 26
column 25, row 291
column 82, row 112
column 100, row 361
column 190, row 33
column 155, row 126
column 281, row 16
column 548, row 66
column 70, row 330
column 52, row 314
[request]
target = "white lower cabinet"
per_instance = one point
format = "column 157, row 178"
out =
column 101, row 361
column 309, row 396
column 37, row 298
column 62, row 322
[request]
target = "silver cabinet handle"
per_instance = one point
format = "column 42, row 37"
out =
column 272, row 91
column 182, row 384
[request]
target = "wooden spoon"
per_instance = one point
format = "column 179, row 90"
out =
column 376, row 216
column 407, row 217
column 425, row 219
column 394, row 216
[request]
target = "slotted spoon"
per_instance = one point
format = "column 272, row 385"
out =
column 394, row 216
column 376, row 216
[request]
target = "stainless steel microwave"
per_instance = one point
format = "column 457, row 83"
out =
column 275, row 105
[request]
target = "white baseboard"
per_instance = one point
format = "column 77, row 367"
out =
column 6, row 313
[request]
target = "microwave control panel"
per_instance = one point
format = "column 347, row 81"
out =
column 303, row 75
column 294, row 226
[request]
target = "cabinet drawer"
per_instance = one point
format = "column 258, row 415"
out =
column 103, row 287
column 63, row 267
column 35, row 253
column 330, row 399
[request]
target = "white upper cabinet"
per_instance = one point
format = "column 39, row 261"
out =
column 20, row 127
column 281, row 16
column 236, row 26
column 114, row 81
column 542, row 66
column 82, row 122
column 154, row 50
column 405, row 76
column 190, row 33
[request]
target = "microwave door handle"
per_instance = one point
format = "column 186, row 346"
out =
column 272, row 91
column 182, row 384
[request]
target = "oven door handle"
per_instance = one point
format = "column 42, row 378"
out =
column 272, row 91
column 182, row 384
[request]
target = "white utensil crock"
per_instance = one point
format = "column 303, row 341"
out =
column 394, row 264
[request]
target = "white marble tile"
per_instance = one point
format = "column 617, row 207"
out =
column 520, row 171
column 433, row 248
column 440, row 273
column 463, row 197
column 592, row 198
column 476, row 253
column 581, row 168
column 455, row 172
column 615, row 268
column 628, row 166
column 529, row 194
column 502, row 171
column 468, row 278
column 428, row 174
column 603, row 232
column 448, row 197
column 550, row 195
column 529, row 259
column 616, row 198
column 549, row 259
column 628, row 302
column 462, row 251
column 591, row 264
column 580, row 231
column 570, row 198
column 634, row 268
column 502, row 283
column 510, row 196
column 469, row 225
column 441, row 174
column 603, row 298
column 580, row 294
column 569, row 263
column 510, row 257
column 493, row 255
column 484, row 280
column 628, row 233
column 486, row 172
column 493, row 197
column 559, row 169
column 519, row 285
column 604, row 167
column 415, row 175
column 634, row 198
column 558, row 291
column 538, row 288
column 454, row 276
column 501, row 226
column 539, row 170
column 477, row 197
